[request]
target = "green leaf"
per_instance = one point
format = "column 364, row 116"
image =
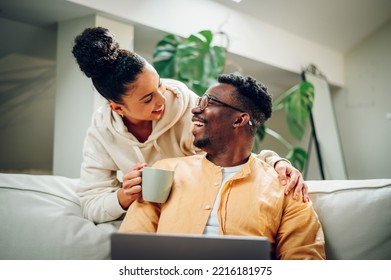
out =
column 193, row 60
column 164, row 56
column 298, row 105
column 208, row 35
column 298, row 157
column 218, row 57
column 279, row 102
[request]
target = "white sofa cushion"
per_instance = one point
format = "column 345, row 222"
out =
column 40, row 218
column 356, row 217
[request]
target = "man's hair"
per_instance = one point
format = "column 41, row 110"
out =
column 251, row 96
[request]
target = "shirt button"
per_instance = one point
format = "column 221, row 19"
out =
column 206, row 207
column 216, row 184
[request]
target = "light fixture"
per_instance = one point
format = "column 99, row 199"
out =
column 237, row 1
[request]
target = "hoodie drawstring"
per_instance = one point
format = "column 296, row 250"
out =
column 157, row 147
column 139, row 153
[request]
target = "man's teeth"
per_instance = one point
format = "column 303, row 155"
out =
column 198, row 123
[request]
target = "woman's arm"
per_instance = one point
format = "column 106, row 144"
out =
column 289, row 176
column 98, row 185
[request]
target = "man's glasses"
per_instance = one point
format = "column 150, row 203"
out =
column 203, row 102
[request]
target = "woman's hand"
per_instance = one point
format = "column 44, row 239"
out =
column 131, row 186
column 291, row 178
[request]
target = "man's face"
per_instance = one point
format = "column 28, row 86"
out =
column 213, row 125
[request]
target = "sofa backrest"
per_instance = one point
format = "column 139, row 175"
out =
column 355, row 216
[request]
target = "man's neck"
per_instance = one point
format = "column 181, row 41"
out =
column 234, row 151
column 227, row 160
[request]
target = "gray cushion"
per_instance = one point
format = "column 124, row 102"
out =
column 356, row 217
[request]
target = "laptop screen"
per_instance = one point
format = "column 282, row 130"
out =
column 151, row 246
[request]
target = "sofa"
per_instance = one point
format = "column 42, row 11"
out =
column 41, row 218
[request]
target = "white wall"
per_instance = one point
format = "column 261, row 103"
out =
column 363, row 105
column 27, row 90
column 27, row 39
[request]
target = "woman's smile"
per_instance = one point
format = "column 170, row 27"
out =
column 158, row 111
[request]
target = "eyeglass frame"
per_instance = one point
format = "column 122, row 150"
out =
column 215, row 99
column 211, row 97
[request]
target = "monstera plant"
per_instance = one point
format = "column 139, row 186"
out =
column 194, row 60
column 197, row 62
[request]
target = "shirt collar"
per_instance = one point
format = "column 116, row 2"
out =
column 244, row 172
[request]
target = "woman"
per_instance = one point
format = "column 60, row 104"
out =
column 146, row 119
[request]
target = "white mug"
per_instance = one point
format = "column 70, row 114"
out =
column 156, row 184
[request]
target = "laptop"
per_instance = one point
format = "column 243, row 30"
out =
column 151, row 246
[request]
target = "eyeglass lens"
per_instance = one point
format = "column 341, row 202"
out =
column 202, row 102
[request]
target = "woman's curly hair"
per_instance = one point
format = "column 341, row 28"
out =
column 110, row 68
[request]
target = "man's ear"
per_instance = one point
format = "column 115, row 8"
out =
column 116, row 108
column 242, row 120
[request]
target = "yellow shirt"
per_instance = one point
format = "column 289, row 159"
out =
column 251, row 203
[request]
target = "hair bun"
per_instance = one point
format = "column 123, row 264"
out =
column 96, row 51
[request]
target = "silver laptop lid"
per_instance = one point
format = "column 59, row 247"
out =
column 150, row 246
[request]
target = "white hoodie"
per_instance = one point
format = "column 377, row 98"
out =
column 109, row 148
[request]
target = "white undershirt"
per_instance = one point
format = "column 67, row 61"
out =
column 212, row 226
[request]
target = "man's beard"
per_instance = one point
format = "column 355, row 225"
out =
column 202, row 143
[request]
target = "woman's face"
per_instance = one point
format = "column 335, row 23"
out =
column 144, row 100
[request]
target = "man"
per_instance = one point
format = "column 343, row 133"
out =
column 229, row 191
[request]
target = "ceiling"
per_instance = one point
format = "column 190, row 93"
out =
column 42, row 13
column 336, row 24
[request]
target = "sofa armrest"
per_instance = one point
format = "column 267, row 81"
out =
column 356, row 217
column 41, row 218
